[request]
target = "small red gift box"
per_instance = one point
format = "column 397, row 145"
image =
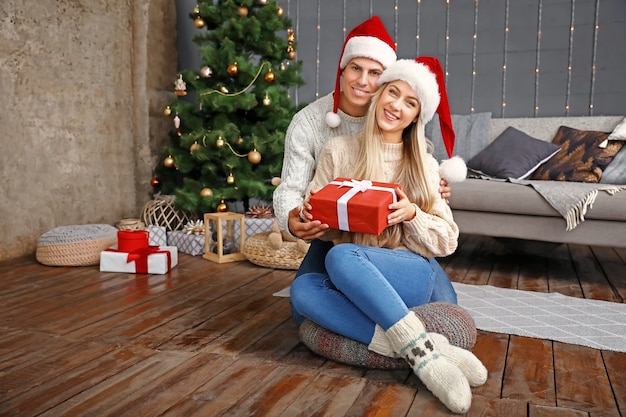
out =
column 354, row 206
column 134, row 254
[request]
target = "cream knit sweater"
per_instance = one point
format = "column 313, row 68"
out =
column 304, row 139
column 432, row 234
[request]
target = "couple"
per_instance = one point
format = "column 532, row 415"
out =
column 357, row 285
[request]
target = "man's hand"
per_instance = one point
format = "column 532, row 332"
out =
column 302, row 225
column 445, row 190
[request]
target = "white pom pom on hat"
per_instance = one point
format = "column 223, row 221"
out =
column 366, row 40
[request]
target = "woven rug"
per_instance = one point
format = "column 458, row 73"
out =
column 552, row 316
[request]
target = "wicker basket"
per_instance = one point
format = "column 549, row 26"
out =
column 130, row 224
column 258, row 251
column 77, row 245
column 162, row 211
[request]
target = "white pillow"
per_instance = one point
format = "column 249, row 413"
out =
column 619, row 133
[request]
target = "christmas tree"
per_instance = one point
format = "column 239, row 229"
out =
column 227, row 141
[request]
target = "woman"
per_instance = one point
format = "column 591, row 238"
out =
column 366, row 290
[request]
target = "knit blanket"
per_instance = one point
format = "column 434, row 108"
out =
column 570, row 199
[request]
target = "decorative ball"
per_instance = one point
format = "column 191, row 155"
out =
column 167, row 111
column 219, row 142
column 169, row 162
column 242, row 11
column 239, row 140
column 230, row 180
column 264, row 2
column 199, row 22
column 254, row 157
column 266, row 100
column 206, row 72
column 206, row 192
column 232, row 69
column 270, row 76
column 154, row 182
column 222, row 207
column 280, row 11
column 194, row 147
column 162, row 211
column 275, row 181
column 292, row 55
column 196, row 9
column 223, row 89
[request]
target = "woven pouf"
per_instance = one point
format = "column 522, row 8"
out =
column 78, row 245
column 447, row 319
column 258, row 251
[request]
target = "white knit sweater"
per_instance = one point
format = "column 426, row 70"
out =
column 305, row 137
column 431, row 234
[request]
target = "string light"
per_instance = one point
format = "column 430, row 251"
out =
column 537, row 56
column 317, row 53
column 475, row 39
column 569, row 58
column 417, row 25
column 596, row 28
column 504, row 55
column 447, row 38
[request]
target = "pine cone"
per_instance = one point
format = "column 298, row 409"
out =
column 260, row 212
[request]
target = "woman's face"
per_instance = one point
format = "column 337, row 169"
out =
column 397, row 107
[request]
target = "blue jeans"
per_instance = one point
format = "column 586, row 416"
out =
column 361, row 286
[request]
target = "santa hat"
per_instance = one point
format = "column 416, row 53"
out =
column 425, row 76
column 367, row 40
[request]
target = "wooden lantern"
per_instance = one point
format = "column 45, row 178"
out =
column 223, row 225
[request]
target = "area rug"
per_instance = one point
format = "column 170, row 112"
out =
column 552, row 316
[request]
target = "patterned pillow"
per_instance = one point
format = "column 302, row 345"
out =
column 580, row 159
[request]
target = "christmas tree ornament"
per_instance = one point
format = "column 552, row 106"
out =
column 232, row 69
column 254, row 157
column 230, row 180
column 280, row 11
column 169, row 161
column 206, row 72
column 224, row 90
column 275, row 181
column 219, row 142
column 291, row 52
column 206, row 192
column 167, row 111
column 242, row 11
column 270, row 76
column 196, row 9
column 239, row 141
column 263, row 2
column 154, row 182
column 179, row 133
column 282, row 66
column 266, row 100
column 260, row 211
column 180, row 87
column 176, row 121
column 222, row 207
column 199, row 22
column 291, row 36
column 194, row 147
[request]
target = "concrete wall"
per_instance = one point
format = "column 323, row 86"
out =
column 83, row 87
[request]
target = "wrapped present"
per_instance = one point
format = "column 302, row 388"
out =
column 354, row 206
column 157, row 235
column 133, row 254
column 254, row 226
column 189, row 243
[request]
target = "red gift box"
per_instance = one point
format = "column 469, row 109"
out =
column 354, row 206
column 135, row 245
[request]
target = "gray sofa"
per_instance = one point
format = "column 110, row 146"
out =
column 508, row 210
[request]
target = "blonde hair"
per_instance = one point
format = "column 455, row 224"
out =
column 411, row 173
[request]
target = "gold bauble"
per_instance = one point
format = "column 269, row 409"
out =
column 280, row 11
column 222, row 207
column 263, row 2
column 224, row 90
column 242, row 11
column 233, row 69
column 254, row 157
column 167, row 111
column 292, row 55
column 195, row 147
column 206, row 192
column 270, row 76
column 239, row 140
column 266, row 100
column 219, row 142
column 275, row 181
column 230, row 180
column 199, row 22
column 206, row 72
column 196, row 9
column 169, row 162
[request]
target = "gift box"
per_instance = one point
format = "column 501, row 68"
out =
column 354, row 206
column 157, row 260
column 254, row 226
column 157, row 235
column 133, row 254
column 189, row 243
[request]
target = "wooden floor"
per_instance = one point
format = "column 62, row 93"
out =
column 210, row 340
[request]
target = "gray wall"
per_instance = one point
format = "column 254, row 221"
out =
column 562, row 72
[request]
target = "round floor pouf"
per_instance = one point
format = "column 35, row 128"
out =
column 78, row 245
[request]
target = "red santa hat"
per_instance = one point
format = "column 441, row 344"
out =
column 367, row 40
column 426, row 78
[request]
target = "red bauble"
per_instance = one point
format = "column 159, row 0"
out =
column 154, row 182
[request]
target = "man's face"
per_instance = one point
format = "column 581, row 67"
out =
column 358, row 82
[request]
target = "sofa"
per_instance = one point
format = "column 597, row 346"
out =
column 507, row 209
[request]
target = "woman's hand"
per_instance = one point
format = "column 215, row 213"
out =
column 403, row 209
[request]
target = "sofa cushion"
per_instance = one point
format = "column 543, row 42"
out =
column 581, row 157
column 619, row 133
column 615, row 172
column 472, row 135
column 513, row 154
column 497, row 196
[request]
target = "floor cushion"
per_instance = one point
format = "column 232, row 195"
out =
column 447, row 319
column 77, row 245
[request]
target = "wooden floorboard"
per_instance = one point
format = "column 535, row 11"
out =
column 211, row 339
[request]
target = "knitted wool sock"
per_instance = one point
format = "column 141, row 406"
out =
column 446, row 381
